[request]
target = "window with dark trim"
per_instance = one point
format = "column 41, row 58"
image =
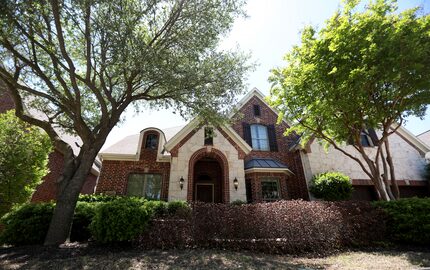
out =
column 270, row 190
column 368, row 138
column 151, row 141
column 260, row 137
column 144, row 185
column 209, row 136
column 257, row 111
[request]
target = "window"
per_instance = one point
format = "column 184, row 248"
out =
column 144, row 185
column 260, row 140
column 365, row 139
column 209, row 136
column 151, row 141
column 257, row 110
column 270, row 189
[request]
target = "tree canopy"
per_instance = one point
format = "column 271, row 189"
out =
column 24, row 153
column 364, row 69
column 80, row 64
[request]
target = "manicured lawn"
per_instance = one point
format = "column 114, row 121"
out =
column 83, row 257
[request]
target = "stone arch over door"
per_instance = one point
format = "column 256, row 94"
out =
column 222, row 160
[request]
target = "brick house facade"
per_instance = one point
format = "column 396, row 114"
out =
column 251, row 160
column 47, row 190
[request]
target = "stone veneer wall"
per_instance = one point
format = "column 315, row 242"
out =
column 408, row 163
column 296, row 184
column 425, row 137
column 180, row 165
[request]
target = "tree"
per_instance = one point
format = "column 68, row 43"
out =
column 362, row 71
column 24, row 153
column 82, row 63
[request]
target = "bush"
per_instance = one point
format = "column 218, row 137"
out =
column 278, row 227
column 82, row 218
column 238, row 202
column 408, row 220
column 97, row 198
column 120, row 220
column 331, row 186
column 179, row 209
column 27, row 224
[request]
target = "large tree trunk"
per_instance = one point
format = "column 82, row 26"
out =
column 70, row 185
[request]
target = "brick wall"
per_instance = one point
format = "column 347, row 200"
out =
column 114, row 174
column 47, row 190
column 255, row 180
column 6, row 101
column 296, row 187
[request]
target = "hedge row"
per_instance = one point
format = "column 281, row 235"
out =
column 104, row 218
column 408, row 220
column 278, row 227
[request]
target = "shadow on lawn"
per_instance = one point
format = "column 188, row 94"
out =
column 93, row 257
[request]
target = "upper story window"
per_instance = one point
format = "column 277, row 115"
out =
column 260, row 138
column 151, row 141
column 209, row 136
column 365, row 139
column 144, row 185
column 257, row 111
column 368, row 138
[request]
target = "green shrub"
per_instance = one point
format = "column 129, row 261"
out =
column 408, row 220
column 331, row 186
column 26, row 224
column 178, row 208
column 238, row 202
column 29, row 223
column 82, row 218
column 120, row 220
column 427, row 172
column 97, row 198
column 157, row 208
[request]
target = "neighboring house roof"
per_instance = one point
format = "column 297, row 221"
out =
column 265, row 165
column 425, row 137
column 74, row 141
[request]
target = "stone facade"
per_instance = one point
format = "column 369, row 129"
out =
column 425, row 137
column 409, row 166
column 191, row 151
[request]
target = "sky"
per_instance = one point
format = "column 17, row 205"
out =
column 268, row 33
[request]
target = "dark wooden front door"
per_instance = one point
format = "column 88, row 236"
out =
column 205, row 193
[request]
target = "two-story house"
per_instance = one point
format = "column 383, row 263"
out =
column 250, row 160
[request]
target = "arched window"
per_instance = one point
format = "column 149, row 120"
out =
column 151, row 141
column 260, row 138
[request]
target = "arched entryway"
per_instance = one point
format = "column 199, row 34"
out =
column 208, row 177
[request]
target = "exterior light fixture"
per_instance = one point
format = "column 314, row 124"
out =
column 235, row 183
column 181, row 182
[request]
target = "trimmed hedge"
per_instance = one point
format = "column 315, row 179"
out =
column 331, row 186
column 93, row 198
column 120, row 220
column 278, row 227
column 408, row 220
column 26, row 224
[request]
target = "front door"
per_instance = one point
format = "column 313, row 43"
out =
column 205, row 193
